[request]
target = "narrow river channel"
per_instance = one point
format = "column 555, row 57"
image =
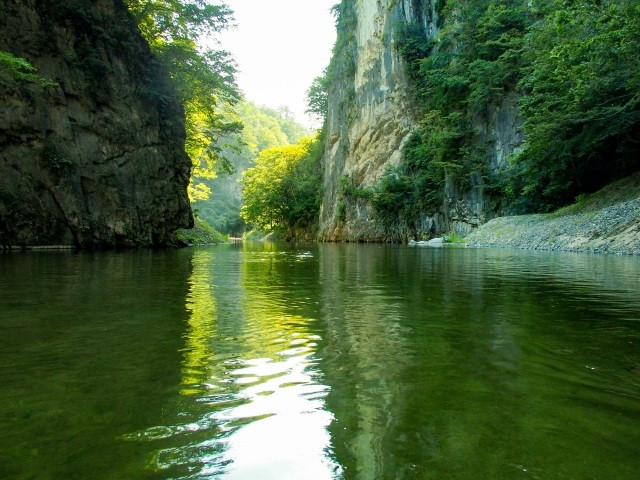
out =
column 322, row 362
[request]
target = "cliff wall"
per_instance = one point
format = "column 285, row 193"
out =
column 94, row 155
column 372, row 113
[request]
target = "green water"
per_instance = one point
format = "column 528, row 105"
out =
column 323, row 362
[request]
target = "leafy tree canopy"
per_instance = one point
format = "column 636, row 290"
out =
column 318, row 97
column 203, row 77
column 581, row 102
column 283, row 190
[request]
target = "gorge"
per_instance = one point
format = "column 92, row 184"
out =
column 93, row 155
column 438, row 117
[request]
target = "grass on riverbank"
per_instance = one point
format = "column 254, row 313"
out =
column 621, row 191
column 201, row 234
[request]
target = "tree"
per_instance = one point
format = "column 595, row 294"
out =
column 283, row 190
column 204, row 78
column 582, row 106
column 318, row 98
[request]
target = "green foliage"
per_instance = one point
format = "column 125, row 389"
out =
column 349, row 189
column 263, row 128
column 203, row 78
column 179, row 19
column 343, row 59
column 574, row 65
column 340, row 74
column 454, row 238
column 18, row 71
column 395, row 197
column 318, row 97
column 582, row 106
column 201, row 234
column 457, row 77
column 283, row 190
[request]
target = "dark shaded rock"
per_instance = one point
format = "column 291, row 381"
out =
column 98, row 160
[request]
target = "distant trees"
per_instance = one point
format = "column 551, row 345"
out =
column 283, row 190
column 203, row 77
column 263, row 128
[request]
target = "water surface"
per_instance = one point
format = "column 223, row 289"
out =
column 319, row 362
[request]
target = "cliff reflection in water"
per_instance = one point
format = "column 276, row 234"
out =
column 481, row 364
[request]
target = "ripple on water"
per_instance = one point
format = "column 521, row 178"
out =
column 255, row 397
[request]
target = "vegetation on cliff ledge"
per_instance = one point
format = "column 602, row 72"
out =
column 17, row 71
column 574, row 68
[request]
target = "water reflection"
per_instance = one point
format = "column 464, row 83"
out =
column 252, row 396
column 201, row 308
column 330, row 362
column 480, row 364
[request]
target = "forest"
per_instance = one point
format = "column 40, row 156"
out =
column 571, row 67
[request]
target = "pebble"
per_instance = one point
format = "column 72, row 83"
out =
column 614, row 229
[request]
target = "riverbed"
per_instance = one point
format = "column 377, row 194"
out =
column 260, row 361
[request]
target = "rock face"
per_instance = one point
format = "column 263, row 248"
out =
column 97, row 160
column 372, row 114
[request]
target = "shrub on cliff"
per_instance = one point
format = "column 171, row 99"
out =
column 17, row 71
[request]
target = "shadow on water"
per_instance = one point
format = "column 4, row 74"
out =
column 89, row 351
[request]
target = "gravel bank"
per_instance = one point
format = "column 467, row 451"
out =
column 611, row 229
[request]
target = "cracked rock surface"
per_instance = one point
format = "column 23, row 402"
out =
column 97, row 159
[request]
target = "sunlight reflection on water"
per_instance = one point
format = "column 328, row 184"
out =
column 265, row 413
column 323, row 362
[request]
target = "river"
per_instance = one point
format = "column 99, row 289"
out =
column 320, row 362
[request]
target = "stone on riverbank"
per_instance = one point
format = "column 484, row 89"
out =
column 606, row 222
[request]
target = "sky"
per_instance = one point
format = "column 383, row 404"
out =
column 280, row 47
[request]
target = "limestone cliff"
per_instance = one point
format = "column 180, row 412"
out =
column 94, row 156
column 371, row 115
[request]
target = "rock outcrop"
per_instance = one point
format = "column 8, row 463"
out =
column 371, row 115
column 94, row 156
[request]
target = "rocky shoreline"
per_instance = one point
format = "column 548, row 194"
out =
column 613, row 229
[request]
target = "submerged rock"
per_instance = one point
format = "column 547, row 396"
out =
column 434, row 242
